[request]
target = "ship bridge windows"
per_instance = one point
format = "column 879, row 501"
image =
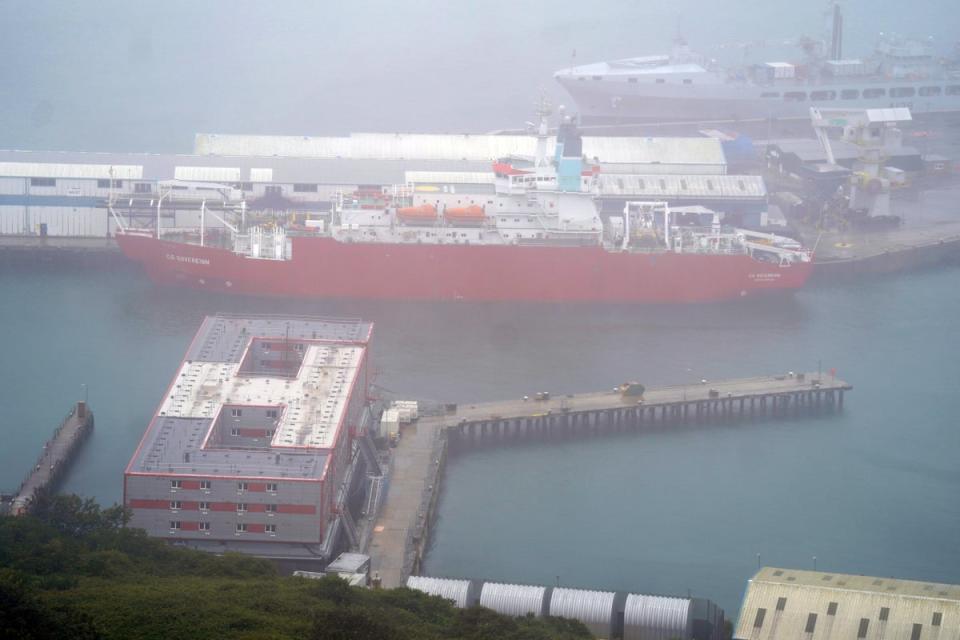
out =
column 902, row 92
column 823, row 95
column 794, row 96
column 770, row 94
column 869, row 94
column 850, row 94
column 928, row 92
column 953, row 90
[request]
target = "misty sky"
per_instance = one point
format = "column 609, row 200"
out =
column 146, row 76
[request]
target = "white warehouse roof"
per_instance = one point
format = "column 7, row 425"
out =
column 459, row 147
column 62, row 170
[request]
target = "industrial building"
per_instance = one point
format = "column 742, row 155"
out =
column 606, row 614
column 252, row 447
column 812, row 605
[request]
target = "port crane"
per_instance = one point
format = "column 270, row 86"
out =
column 874, row 132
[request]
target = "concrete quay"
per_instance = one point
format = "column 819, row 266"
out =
column 401, row 533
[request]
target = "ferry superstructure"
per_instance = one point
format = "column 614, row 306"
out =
column 685, row 86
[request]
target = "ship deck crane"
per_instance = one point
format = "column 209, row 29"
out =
column 874, row 131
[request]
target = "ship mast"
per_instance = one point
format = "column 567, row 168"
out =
column 543, row 129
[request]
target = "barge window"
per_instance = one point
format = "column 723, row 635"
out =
column 770, row 94
column 823, row 95
column 43, row 182
column 930, row 91
column 902, row 92
column 849, row 94
column 305, row 188
column 874, row 93
column 953, row 90
column 797, row 96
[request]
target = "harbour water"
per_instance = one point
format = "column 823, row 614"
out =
column 872, row 490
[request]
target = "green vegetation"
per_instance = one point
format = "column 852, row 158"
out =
column 73, row 570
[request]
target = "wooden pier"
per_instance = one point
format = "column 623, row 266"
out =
column 401, row 533
column 55, row 459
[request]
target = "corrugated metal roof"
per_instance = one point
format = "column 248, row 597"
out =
column 815, row 605
column 261, row 174
column 460, row 592
column 207, row 174
column 466, row 147
column 592, row 608
column 62, row 170
column 615, row 150
column 700, row 186
column 656, row 618
column 513, row 599
column 449, row 177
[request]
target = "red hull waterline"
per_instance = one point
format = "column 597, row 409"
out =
column 322, row 267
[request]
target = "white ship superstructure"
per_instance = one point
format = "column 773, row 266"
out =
column 683, row 86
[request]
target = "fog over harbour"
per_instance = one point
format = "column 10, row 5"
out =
column 870, row 490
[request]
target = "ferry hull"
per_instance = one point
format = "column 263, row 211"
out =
column 322, row 267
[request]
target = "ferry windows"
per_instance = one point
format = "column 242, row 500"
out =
column 930, row 91
column 143, row 187
column 633, row 80
column 874, row 93
column 596, row 77
column 770, row 94
column 43, row 182
column 849, row 94
column 688, row 81
column 661, row 80
column 795, row 96
column 902, row 92
column 953, row 90
column 823, row 95
column 105, row 184
column 305, row 188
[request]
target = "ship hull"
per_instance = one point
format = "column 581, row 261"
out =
column 616, row 102
column 322, row 267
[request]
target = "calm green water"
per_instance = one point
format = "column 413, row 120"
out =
column 873, row 490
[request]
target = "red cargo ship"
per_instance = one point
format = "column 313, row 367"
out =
column 539, row 237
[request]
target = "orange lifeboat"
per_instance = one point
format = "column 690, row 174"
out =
column 472, row 215
column 424, row 214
